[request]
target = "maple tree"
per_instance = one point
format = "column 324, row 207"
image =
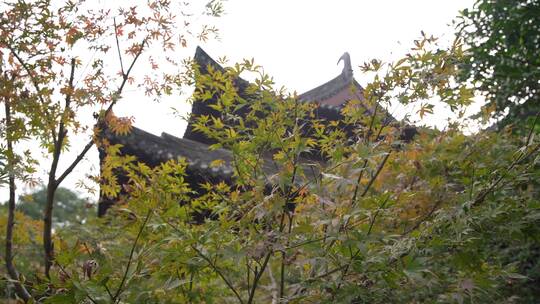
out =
column 49, row 79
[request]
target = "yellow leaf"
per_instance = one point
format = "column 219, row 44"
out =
column 217, row 163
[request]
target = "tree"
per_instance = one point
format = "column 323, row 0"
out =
column 504, row 58
column 70, row 208
column 55, row 63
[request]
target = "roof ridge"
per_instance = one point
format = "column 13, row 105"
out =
column 329, row 88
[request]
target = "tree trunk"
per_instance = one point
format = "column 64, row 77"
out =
column 10, row 266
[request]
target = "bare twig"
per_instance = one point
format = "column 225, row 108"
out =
column 358, row 183
column 91, row 299
column 74, row 163
column 118, row 48
column 116, row 96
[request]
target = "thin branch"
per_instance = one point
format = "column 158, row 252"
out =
column 330, row 272
column 531, row 131
column 118, row 48
column 379, row 169
column 248, row 272
column 368, row 134
column 364, row 167
column 483, row 194
column 473, row 180
column 353, row 256
column 358, row 183
column 523, row 155
column 116, row 97
column 71, row 87
column 258, row 275
column 368, row 186
column 91, row 299
column 424, row 218
column 289, row 215
column 273, row 287
column 130, row 259
column 283, row 258
column 74, row 163
column 305, row 243
column 221, row 275
column 372, row 222
column 346, row 268
column 108, row 291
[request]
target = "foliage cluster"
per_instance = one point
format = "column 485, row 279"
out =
column 504, row 57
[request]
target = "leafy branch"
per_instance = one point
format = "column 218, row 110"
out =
column 219, row 272
column 120, row 289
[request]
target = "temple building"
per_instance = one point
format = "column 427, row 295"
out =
column 194, row 146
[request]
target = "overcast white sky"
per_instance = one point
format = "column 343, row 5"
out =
column 298, row 43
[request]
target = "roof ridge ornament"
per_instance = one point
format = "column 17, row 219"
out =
column 347, row 68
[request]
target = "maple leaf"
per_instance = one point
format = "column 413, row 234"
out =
column 120, row 125
column 119, row 31
column 73, row 35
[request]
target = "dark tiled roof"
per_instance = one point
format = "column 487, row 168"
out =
column 153, row 150
column 343, row 82
column 322, row 92
column 204, row 60
column 330, row 88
